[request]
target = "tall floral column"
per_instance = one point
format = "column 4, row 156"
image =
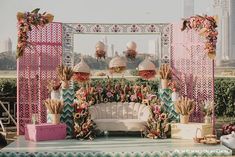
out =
column 67, row 113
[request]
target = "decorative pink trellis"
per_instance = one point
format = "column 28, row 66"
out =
column 34, row 69
column 192, row 68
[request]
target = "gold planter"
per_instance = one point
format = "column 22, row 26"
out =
column 164, row 83
column 184, row 119
column 207, row 119
column 65, row 84
column 55, row 118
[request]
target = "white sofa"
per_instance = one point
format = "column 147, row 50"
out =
column 117, row 116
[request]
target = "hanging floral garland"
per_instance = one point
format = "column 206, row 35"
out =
column 25, row 22
column 206, row 26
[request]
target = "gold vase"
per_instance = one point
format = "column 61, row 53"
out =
column 65, row 84
column 184, row 119
column 55, row 118
column 207, row 119
column 164, row 83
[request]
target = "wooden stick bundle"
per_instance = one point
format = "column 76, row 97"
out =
column 54, row 106
column 165, row 71
column 64, row 73
column 184, row 106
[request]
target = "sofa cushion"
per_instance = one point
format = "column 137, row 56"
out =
column 120, row 110
column 120, row 124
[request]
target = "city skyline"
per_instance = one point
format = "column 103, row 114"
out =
column 89, row 11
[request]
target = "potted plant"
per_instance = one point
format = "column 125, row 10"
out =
column 207, row 108
column 184, row 106
column 165, row 75
column 54, row 87
column 55, row 108
column 65, row 74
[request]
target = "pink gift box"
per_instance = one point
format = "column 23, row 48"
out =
column 44, row 132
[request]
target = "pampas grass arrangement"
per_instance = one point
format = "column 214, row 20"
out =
column 184, row 106
column 54, row 106
column 165, row 72
column 165, row 75
column 65, row 74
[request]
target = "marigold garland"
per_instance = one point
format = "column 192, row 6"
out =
column 25, row 22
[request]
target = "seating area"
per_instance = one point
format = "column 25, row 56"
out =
column 120, row 116
column 122, row 100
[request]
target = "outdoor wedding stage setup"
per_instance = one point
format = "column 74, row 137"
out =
column 166, row 110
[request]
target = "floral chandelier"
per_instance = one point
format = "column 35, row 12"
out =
column 131, row 50
column 117, row 65
column 100, row 51
column 147, row 69
column 81, row 72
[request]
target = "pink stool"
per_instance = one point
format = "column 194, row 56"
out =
column 44, row 132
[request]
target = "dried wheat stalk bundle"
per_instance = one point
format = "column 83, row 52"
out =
column 184, row 106
column 165, row 71
column 54, row 106
column 64, row 73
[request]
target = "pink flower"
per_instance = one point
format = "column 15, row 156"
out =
column 84, row 105
column 133, row 97
column 109, row 94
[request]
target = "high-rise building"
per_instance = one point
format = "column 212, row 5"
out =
column 6, row 46
column 188, row 8
column 225, row 10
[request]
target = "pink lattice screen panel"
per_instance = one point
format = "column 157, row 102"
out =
column 193, row 70
column 34, row 70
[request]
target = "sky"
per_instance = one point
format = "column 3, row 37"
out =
column 97, row 11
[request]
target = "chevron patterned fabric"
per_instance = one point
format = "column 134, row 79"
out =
column 165, row 97
column 67, row 114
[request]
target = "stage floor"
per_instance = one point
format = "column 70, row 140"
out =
column 112, row 147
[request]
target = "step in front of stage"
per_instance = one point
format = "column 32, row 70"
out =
column 113, row 147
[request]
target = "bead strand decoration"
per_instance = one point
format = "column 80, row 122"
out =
column 206, row 27
column 25, row 22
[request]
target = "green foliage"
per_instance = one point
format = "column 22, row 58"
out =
column 8, row 87
column 153, row 84
column 225, row 97
column 7, row 61
column 224, row 92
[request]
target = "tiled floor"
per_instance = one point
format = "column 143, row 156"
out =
column 113, row 146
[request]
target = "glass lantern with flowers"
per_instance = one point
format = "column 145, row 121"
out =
column 174, row 88
column 54, row 88
column 207, row 108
